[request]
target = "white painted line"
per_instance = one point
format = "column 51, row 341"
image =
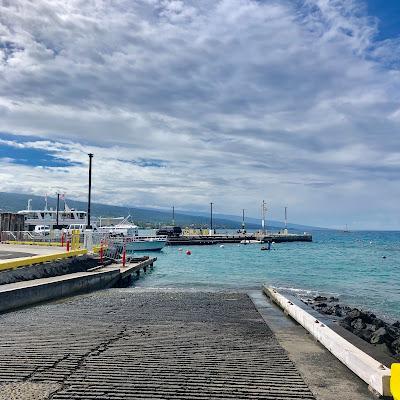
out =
column 376, row 375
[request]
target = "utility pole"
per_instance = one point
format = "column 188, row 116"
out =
column 58, row 207
column 89, row 226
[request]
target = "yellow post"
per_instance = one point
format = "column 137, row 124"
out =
column 395, row 381
column 76, row 237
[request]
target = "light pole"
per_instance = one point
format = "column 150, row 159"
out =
column 243, row 220
column 89, row 226
column 173, row 215
column 58, row 207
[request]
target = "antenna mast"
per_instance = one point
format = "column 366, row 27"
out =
column 285, row 230
column 263, row 212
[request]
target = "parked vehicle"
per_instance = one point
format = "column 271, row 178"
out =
column 170, row 231
column 75, row 227
column 42, row 230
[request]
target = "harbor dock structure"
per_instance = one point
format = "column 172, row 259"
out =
column 33, row 278
column 166, row 344
column 222, row 239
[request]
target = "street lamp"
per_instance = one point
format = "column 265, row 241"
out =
column 58, row 207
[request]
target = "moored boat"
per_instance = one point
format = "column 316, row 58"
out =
column 126, row 234
column 143, row 243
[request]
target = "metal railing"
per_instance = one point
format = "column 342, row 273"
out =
column 51, row 238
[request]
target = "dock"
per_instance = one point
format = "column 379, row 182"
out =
column 36, row 290
column 223, row 239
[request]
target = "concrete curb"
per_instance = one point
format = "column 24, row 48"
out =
column 376, row 375
column 30, row 292
column 22, row 294
column 25, row 261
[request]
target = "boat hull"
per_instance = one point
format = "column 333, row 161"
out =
column 145, row 245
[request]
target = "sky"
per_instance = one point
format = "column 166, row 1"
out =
column 296, row 102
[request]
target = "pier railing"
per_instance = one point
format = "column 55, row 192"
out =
column 52, row 238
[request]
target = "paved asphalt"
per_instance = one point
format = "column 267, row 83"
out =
column 5, row 255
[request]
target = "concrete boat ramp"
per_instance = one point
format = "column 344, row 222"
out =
column 136, row 344
column 131, row 343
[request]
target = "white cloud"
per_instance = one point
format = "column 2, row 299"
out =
column 241, row 100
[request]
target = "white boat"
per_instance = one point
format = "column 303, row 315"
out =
column 145, row 243
column 126, row 233
column 48, row 217
column 248, row 241
column 124, row 229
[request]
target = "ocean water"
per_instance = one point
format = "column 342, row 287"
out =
column 348, row 265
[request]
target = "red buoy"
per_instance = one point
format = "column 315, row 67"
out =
column 188, row 252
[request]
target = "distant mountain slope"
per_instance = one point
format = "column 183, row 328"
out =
column 142, row 216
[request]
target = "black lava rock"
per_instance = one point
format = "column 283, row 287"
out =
column 378, row 336
column 357, row 325
column 354, row 313
column 395, row 347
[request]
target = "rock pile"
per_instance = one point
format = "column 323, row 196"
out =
column 364, row 324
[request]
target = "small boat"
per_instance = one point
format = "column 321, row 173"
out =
column 268, row 247
column 250, row 241
column 127, row 234
column 123, row 229
column 145, row 243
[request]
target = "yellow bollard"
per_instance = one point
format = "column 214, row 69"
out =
column 75, row 242
column 395, row 381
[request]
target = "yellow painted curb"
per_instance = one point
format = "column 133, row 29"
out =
column 96, row 249
column 58, row 244
column 395, row 381
column 25, row 261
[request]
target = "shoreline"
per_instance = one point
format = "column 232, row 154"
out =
column 383, row 335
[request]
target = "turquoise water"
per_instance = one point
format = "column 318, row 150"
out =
column 348, row 265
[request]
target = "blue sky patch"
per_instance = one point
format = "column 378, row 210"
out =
column 29, row 156
column 147, row 162
column 388, row 13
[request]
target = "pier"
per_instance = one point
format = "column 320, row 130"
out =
column 222, row 239
column 33, row 290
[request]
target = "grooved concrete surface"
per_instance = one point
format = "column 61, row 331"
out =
column 135, row 345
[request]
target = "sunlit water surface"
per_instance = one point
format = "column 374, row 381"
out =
column 348, row 265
